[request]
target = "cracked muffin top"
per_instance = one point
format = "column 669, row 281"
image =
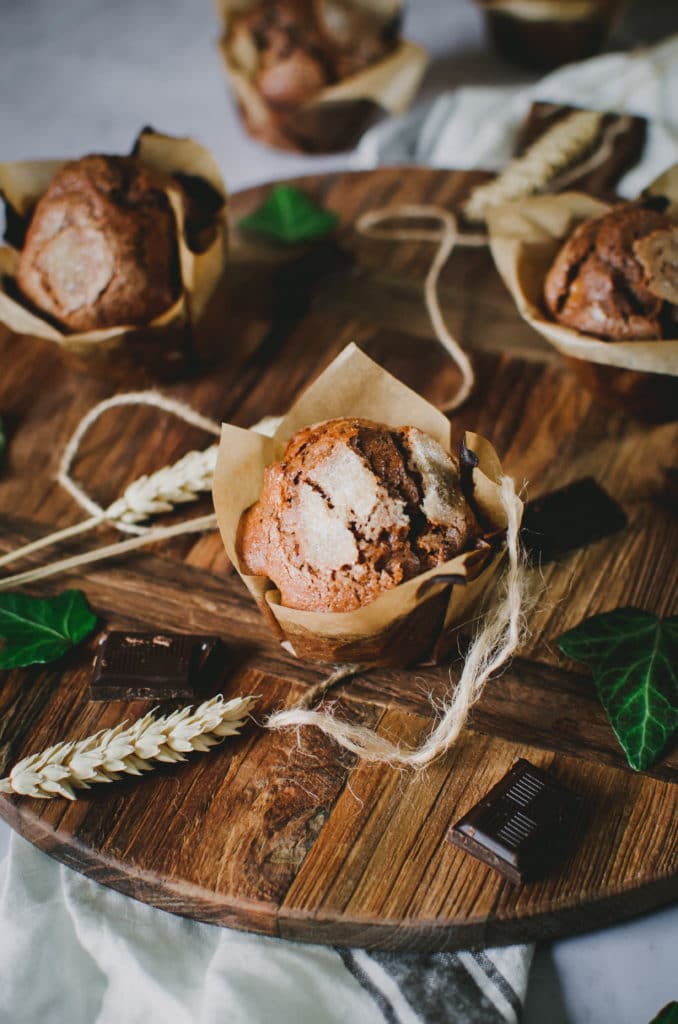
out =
column 604, row 279
column 101, row 248
column 353, row 509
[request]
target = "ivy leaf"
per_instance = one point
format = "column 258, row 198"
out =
column 667, row 1015
column 634, row 659
column 41, row 629
column 288, row 216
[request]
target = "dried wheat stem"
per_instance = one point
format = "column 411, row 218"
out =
column 42, row 572
column 147, row 496
column 51, row 538
column 151, row 398
column 111, row 753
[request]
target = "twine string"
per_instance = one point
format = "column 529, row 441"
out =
column 446, row 236
column 495, row 642
column 315, row 693
column 152, row 398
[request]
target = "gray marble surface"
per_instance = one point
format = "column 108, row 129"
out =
column 83, row 75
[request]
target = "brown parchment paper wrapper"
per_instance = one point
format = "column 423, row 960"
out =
column 336, row 117
column 411, row 622
column 641, row 377
column 190, row 328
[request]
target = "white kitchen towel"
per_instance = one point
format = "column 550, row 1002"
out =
column 476, row 127
column 75, row 952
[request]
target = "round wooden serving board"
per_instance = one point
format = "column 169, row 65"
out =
column 292, row 837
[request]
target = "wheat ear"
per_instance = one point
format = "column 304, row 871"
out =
column 148, row 496
column 112, row 753
column 163, row 490
column 568, row 140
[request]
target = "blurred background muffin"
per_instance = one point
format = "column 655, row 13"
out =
column 616, row 275
column 546, row 33
column 352, row 510
column 284, row 58
column 101, row 246
column 295, row 48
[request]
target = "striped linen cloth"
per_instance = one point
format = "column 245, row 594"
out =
column 470, row 987
column 75, row 952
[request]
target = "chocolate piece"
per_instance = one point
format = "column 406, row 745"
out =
column 154, row 666
column 618, row 148
column 571, row 517
column 521, row 826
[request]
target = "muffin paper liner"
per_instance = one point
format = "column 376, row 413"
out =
column 413, row 621
column 550, row 10
column 524, row 238
column 190, row 326
column 337, row 116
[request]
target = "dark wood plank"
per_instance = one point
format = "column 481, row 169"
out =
column 547, row 705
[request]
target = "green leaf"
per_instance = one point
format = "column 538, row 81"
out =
column 288, row 216
column 41, row 629
column 634, row 659
column 667, row 1015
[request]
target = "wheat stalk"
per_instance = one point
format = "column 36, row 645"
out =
column 146, row 496
column 149, row 495
column 111, row 753
column 161, row 491
column 553, row 152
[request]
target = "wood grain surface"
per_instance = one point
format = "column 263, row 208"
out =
column 286, row 834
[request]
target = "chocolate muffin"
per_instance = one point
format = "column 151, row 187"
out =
column 101, row 247
column 293, row 49
column 603, row 281
column 353, row 509
column 355, row 37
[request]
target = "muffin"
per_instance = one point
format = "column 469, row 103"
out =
column 292, row 49
column 101, row 246
column 603, row 281
column 547, row 33
column 352, row 510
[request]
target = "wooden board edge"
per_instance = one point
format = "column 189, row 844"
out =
column 105, row 870
column 451, row 936
column 191, row 901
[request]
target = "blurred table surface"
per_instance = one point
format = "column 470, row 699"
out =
column 84, row 75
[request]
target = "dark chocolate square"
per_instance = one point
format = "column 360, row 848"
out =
column 154, row 666
column 571, row 517
column 521, row 826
